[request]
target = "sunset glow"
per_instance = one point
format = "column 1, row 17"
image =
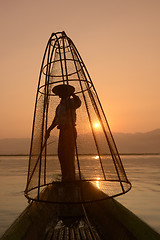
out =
column 122, row 59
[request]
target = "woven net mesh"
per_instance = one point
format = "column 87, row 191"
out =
column 96, row 159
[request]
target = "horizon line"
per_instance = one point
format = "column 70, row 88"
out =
column 51, row 155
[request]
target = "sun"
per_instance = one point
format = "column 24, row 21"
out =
column 96, row 125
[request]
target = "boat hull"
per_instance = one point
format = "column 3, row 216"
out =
column 110, row 219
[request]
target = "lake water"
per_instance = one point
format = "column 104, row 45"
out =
column 142, row 170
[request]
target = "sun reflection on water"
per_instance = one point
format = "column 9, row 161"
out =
column 97, row 183
column 96, row 157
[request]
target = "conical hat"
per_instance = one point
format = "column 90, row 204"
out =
column 63, row 90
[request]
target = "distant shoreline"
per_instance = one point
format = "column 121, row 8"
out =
column 121, row 154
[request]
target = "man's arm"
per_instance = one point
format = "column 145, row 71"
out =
column 77, row 101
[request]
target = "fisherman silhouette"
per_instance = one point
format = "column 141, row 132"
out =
column 65, row 120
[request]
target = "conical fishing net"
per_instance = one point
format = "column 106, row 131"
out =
column 71, row 141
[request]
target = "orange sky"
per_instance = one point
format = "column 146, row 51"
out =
column 119, row 41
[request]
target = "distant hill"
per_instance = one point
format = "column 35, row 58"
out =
column 148, row 142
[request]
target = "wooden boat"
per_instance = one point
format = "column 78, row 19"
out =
column 106, row 219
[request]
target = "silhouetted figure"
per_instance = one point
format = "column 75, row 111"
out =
column 65, row 119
